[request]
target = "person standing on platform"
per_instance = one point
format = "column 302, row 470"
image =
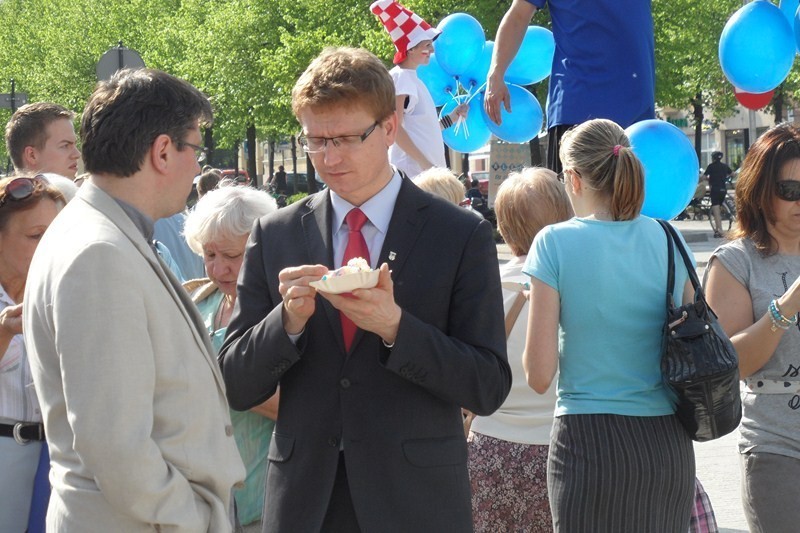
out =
column 604, row 64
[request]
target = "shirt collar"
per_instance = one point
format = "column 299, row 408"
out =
column 140, row 220
column 378, row 209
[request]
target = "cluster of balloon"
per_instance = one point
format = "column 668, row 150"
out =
column 670, row 166
column 758, row 45
column 457, row 74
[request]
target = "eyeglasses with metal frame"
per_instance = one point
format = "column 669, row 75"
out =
column 201, row 152
column 313, row 145
column 20, row 189
column 788, row 190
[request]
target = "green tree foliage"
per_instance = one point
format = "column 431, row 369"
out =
column 247, row 54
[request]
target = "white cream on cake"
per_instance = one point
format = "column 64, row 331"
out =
column 356, row 274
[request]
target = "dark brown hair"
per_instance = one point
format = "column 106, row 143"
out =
column 126, row 114
column 755, row 188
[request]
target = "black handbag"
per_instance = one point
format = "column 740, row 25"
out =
column 698, row 360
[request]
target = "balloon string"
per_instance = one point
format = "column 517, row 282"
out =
column 461, row 121
column 472, row 95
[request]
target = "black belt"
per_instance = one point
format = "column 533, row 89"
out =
column 23, row 432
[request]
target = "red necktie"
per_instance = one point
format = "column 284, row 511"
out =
column 356, row 247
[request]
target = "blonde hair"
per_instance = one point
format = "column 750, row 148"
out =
column 601, row 154
column 526, row 202
column 346, row 77
column 442, row 183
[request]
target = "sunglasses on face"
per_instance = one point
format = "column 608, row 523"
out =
column 20, row 189
column 788, row 190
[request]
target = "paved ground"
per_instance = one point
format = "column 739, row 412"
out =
column 717, row 461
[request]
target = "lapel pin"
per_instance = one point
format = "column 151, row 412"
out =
column 392, row 255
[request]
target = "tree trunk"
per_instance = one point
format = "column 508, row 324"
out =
column 536, row 152
column 697, row 104
column 311, row 172
column 294, row 164
column 251, row 155
column 208, row 141
column 271, row 159
column 777, row 104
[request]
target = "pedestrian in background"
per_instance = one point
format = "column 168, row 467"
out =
column 508, row 450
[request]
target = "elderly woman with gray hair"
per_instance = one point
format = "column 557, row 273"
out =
column 217, row 229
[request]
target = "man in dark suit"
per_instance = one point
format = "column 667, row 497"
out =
column 369, row 435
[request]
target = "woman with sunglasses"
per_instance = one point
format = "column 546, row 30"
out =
column 27, row 207
column 753, row 284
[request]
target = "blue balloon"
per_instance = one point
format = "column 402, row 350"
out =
column 534, row 60
column 789, row 8
column 670, row 167
column 476, row 73
column 460, row 42
column 470, row 135
column 523, row 123
column 796, row 26
column 757, row 47
column 440, row 84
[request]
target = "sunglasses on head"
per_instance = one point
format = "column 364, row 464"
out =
column 788, row 190
column 20, row 189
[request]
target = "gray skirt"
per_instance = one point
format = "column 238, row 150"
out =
column 612, row 473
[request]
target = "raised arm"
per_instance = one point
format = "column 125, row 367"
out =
column 509, row 37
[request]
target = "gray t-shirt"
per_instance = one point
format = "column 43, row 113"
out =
column 770, row 421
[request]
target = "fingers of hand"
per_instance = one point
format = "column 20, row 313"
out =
column 299, row 277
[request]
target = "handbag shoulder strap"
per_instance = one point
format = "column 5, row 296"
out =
column 516, row 306
column 670, row 265
column 672, row 237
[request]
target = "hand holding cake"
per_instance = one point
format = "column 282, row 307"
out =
column 370, row 308
column 356, row 274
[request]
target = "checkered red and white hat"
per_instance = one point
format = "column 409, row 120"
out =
column 406, row 28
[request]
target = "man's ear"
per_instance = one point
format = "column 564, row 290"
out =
column 29, row 157
column 390, row 127
column 159, row 154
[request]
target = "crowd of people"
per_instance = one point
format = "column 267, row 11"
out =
column 179, row 370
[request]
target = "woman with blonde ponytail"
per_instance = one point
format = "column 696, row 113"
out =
column 619, row 459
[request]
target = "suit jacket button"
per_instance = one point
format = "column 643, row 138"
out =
column 333, row 442
column 238, row 485
column 345, row 383
column 229, row 430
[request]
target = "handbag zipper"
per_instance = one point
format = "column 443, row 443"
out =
column 682, row 319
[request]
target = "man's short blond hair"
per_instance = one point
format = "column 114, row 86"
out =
column 442, row 183
column 526, row 202
column 345, row 77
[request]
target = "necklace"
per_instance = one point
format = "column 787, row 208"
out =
column 219, row 316
column 601, row 215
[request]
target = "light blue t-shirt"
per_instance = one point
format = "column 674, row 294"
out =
column 611, row 278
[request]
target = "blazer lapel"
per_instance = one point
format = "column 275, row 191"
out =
column 319, row 243
column 405, row 226
column 104, row 203
column 408, row 219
